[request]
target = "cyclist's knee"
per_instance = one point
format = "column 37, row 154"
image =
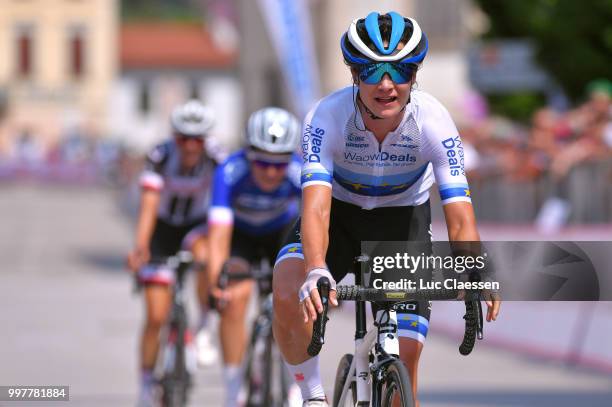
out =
column 199, row 249
column 288, row 276
column 235, row 309
column 157, row 307
column 155, row 321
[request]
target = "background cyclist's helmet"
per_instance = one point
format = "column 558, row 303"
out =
column 192, row 119
column 273, row 130
column 363, row 43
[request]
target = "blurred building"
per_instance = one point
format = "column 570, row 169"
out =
column 57, row 63
column 166, row 63
column 448, row 24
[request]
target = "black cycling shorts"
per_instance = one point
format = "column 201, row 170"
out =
column 168, row 239
column 349, row 225
column 254, row 248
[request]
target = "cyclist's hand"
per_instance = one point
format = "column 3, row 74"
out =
column 309, row 295
column 493, row 301
column 137, row 258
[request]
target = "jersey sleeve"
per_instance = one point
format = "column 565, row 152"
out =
column 317, row 147
column 445, row 152
column 152, row 175
column 293, row 175
column 221, row 210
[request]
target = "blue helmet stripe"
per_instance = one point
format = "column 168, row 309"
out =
column 397, row 30
column 371, row 25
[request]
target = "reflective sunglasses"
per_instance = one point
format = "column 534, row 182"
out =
column 266, row 164
column 263, row 160
column 373, row 73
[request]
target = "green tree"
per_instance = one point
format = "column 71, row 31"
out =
column 177, row 10
column 573, row 37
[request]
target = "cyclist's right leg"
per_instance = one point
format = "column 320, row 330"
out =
column 157, row 281
column 290, row 332
column 157, row 306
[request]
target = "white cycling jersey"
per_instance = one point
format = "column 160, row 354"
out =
column 339, row 152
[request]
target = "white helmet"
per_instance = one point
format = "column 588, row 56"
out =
column 192, row 119
column 273, row 130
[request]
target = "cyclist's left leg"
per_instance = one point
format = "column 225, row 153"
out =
column 413, row 324
column 197, row 242
column 412, row 317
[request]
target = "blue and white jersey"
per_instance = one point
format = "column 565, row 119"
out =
column 236, row 199
column 340, row 153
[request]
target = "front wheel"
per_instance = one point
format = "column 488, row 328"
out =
column 341, row 377
column 395, row 386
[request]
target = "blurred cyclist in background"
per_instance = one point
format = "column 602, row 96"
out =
column 255, row 199
column 175, row 191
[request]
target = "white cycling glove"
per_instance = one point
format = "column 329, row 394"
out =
column 311, row 282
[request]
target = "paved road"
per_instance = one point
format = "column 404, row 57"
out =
column 67, row 316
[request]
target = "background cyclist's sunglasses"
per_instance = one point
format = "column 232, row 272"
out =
column 265, row 160
column 373, row 73
column 266, row 164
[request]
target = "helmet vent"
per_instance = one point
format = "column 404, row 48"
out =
column 276, row 131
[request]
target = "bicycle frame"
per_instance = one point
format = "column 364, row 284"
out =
column 360, row 366
column 384, row 335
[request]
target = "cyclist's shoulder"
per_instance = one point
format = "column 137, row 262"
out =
column 234, row 167
column 160, row 153
column 215, row 151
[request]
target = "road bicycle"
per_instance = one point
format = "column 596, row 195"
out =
column 374, row 375
column 266, row 380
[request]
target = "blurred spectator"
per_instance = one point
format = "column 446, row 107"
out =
column 539, row 158
column 564, row 142
column 28, row 151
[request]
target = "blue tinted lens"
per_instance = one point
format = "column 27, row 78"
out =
column 373, row 73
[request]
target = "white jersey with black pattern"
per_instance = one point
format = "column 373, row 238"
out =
column 338, row 151
column 184, row 195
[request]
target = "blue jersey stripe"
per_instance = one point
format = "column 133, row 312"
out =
column 394, row 179
column 413, row 325
column 448, row 193
column 309, row 176
column 382, row 189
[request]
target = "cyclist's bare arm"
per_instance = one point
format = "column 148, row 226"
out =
column 149, row 203
column 461, row 224
column 220, row 239
column 316, row 208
